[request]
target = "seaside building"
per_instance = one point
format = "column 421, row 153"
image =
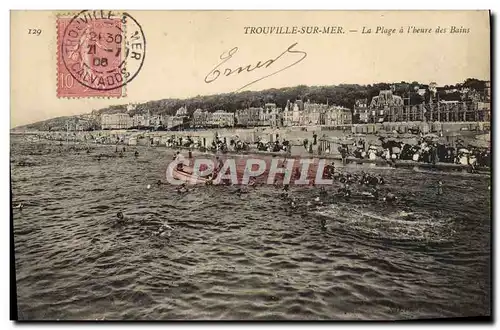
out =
column 163, row 120
column 173, row 121
column 292, row 114
column 482, row 111
column 200, row 118
column 155, row 121
column 83, row 125
column 181, row 112
column 314, row 114
column 254, row 116
column 287, row 115
column 221, row 118
column 116, row 121
column 131, row 106
column 270, row 115
column 360, row 111
column 141, row 120
column 305, row 114
column 297, row 116
column 250, row 117
column 86, row 122
column 472, row 106
column 241, row 117
column 338, row 116
column 385, row 107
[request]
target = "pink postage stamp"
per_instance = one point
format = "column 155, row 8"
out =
column 99, row 53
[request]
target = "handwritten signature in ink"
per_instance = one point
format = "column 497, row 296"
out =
column 214, row 74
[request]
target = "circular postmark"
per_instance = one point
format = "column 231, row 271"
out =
column 103, row 49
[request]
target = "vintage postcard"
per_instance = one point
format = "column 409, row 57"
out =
column 250, row 165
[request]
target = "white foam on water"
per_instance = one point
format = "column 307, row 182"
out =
column 398, row 225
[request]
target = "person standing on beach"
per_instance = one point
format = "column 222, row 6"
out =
column 315, row 137
column 343, row 154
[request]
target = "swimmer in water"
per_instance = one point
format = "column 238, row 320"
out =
column 440, row 187
column 20, row 206
column 159, row 183
column 120, row 218
column 390, row 197
column 164, row 230
column 136, row 154
column 182, row 189
column 241, row 190
column 161, row 228
column 286, row 190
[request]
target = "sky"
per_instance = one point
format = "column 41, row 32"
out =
column 184, row 46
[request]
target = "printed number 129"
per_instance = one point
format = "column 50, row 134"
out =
column 35, row 31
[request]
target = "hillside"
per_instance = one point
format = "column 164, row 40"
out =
column 45, row 125
column 343, row 95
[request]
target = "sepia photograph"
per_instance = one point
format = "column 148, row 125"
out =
column 250, row 165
